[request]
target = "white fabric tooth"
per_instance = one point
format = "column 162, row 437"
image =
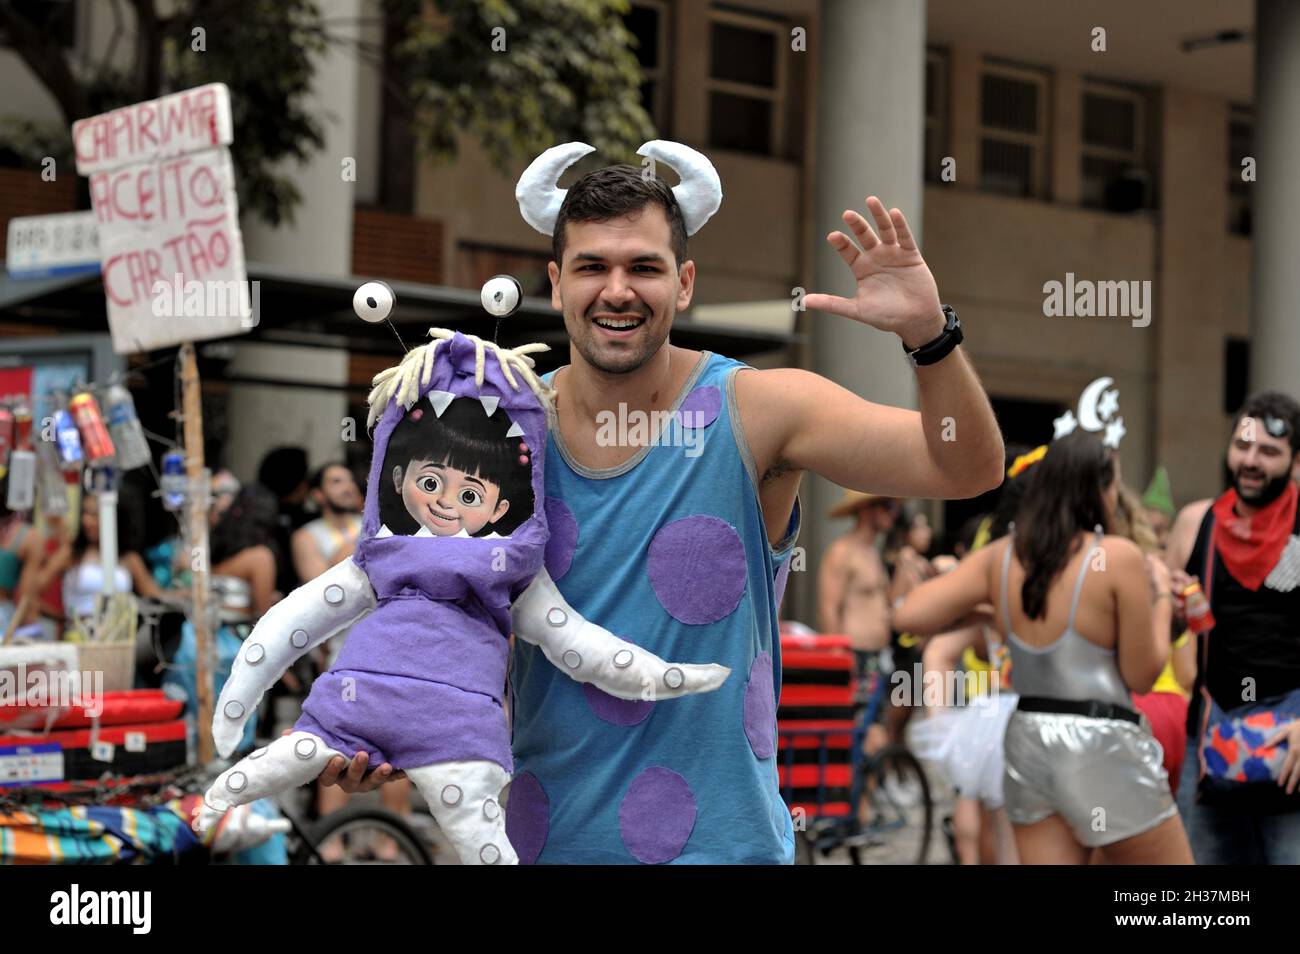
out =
column 515, row 430
column 489, row 402
column 440, row 400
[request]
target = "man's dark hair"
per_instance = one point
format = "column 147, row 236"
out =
column 612, row 193
column 1278, row 407
column 318, row 476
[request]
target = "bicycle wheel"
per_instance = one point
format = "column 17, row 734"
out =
column 896, row 810
column 358, row 835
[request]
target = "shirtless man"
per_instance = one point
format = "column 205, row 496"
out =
column 852, row 588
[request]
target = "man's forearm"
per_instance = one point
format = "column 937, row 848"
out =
column 960, row 429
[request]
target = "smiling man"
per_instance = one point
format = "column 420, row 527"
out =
column 687, row 553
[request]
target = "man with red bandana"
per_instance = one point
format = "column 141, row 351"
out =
column 1253, row 651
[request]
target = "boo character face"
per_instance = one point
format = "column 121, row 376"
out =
column 445, row 500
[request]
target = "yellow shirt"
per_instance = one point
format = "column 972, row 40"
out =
column 1166, row 682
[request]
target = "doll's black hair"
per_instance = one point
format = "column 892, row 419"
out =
column 465, row 438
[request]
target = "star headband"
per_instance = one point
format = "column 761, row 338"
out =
column 1098, row 410
column 699, row 193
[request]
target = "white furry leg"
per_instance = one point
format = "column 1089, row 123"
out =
column 288, row 762
column 464, row 798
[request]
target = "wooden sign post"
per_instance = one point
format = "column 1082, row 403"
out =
column 163, row 191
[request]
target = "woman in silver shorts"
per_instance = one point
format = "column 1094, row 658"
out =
column 1086, row 618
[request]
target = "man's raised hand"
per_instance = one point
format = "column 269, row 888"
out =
column 896, row 291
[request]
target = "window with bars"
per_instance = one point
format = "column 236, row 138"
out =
column 1113, row 148
column 1241, row 133
column 647, row 21
column 1013, row 130
column 746, row 83
column 936, row 113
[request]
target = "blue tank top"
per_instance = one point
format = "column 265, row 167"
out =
column 669, row 551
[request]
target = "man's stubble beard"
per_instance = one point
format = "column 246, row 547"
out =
column 626, row 363
column 1273, row 489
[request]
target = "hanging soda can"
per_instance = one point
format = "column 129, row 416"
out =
column 96, row 445
column 1200, row 618
column 69, row 441
column 173, row 480
column 50, row 481
column 6, row 436
column 125, row 429
column 21, row 492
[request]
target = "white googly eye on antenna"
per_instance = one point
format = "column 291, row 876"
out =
column 374, row 301
column 501, row 296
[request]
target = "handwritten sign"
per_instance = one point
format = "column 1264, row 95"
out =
column 162, row 187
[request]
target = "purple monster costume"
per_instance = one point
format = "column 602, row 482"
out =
column 433, row 653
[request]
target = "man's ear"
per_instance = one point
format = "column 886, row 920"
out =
column 397, row 478
column 685, row 284
column 553, row 271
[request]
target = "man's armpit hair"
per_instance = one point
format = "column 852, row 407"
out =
column 779, row 468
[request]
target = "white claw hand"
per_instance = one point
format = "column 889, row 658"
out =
column 590, row 653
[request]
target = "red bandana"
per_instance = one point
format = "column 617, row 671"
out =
column 1251, row 546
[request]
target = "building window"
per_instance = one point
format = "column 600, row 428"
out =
column 1013, row 130
column 648, row 23
column 1114, row 148
column 476, row 263
column 936, row 113
column 1241, row 132
column 1236, row 373
column 746, row 83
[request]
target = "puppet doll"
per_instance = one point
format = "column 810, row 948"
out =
column 450, row 560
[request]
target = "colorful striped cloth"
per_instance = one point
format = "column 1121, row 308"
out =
column 96, row 834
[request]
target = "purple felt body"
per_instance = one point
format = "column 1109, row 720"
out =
column 657, row 815
column 564, row 537
column 697, row 569
column 782, row 577
column 760, row 707
column 528, row 817
column 616, row 711
column 700, row 408
column 428, row 666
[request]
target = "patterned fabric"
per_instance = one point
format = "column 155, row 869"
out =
column 1233, row 747
column 1285, row 577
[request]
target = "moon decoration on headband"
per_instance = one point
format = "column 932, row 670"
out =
column 699, row 193
column 1098, row 410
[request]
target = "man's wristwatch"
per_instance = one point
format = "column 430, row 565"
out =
column 940, row 347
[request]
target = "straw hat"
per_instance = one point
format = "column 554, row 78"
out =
column 855, row 500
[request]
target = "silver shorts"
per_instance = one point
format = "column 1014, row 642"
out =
column 1104, row 777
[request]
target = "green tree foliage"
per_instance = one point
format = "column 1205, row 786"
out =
column 566, row 73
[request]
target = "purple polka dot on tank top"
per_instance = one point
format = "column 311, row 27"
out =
column 564, row 537
column 782, row 577
column 697, row 569
column 760, row 707
column 657, row 816
column 701, row 407
column 528, row 817
column 614, row 710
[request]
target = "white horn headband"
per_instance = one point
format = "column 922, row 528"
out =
column 699, row 193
